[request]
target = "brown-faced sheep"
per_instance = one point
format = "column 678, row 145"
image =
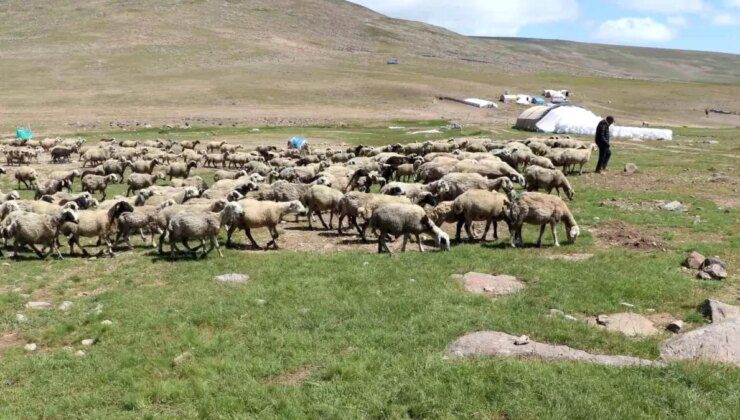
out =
column 94, row 224
column 480, row 205
column 540, row 209
column 252, row 214
column 180, row 169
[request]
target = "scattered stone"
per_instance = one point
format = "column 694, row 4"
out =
column 521, row 341
column 260, row 301
column 629, row 305
column 88, row 342
column 232, row 278
column 493, row 343
column 627, row 323
column 38, row 305
column 556, row 312
column 695, row 260
column 491, row 285
column 717, row 342
column 570, row 318
column 718, row 311
column 674, row 326
column 412, row 280
column 630, row 168
column 715, row 271
column 106, row 322
column 674, row 206
column 80, row 353
column 30, row 347
column 21, row 318
column 712, row 261
column 303, row 311
column 365, row 264
column 703, row 276
column 182, row 358
column 65, row 306
column 570, row 257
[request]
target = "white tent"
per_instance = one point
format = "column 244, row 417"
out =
column 480, row 103
column 571, row 119
column 523, row 99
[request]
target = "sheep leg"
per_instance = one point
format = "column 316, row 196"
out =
column 488, row 227
column 309, row 215
column 512, row 236
column 458, row 231
column 37, row 251
column 229, row 232
column 418, row 241
column 173, row 248
column 405, row 240
column 331, row 218
column 553, row 226
column 381, row 243
column 539, row 238
column 214, row 243
column 275, row 236
column 251, row 239
column 128, row 192
column 161, row 242
column 339, row 223
column 321, row 219
column 468, row 224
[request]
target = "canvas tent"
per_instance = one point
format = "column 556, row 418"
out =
column 523, row 99
column 480, row 103
column 571, row 119
column 506, row 98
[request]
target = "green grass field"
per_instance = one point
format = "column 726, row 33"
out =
column 358, row 335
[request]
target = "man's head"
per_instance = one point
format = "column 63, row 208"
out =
column 610, row 120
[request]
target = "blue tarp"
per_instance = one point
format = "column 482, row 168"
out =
column 538, row 101
column 24, row 133
column 297, row 142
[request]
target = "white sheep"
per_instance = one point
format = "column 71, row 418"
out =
column 480, row 205
column 405, row 219
column 36, row 229
column 322, row 198
column 194, row 225
column 540, row 209
column 547, row 179
column 252, row 214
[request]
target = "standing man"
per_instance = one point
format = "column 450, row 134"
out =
column 602, row 141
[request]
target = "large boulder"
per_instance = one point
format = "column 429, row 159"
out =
column 695, row 260
column 717, row 342
column 493, row 343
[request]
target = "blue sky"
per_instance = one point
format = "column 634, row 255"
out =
column 709, row 25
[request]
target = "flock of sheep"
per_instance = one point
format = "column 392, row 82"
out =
column 420, row 187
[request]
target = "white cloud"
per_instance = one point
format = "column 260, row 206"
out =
column 726, row 20
column 733, row 3
column 631, row 30
column 478, row 17
column 678, row 21
column 666, row 6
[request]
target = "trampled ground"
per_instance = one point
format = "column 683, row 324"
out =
column 354, row 334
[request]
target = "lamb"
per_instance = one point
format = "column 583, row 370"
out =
column 547, row 179
column 405, row 219
column 95, row 223
column 322, row 198
column 37, row 229
column 222, row 174
column 93, row 183
column 27, row 176
column 138, row 182
column 61, row 154
column 187, row 144
column 251, row 214
column 163, row 216
column 180, row 169
column 51, row 186
column 187, row 225
column 573, row 157
column 540, row 209
column 94, row 156
column 143, row 217
column 483, row 205
column 115, row 166
column 178, row 195
column 68, row 175
column 405, row 171
column 144, row 166
column 443, row 213
column 215, row 146
column 83, row 200
column 196, row 181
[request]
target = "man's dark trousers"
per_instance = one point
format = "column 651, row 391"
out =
column 604, row 154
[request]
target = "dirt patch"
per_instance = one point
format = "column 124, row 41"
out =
column 8, row 340
column 293, row 378
column 618, row 233
column 727, row 202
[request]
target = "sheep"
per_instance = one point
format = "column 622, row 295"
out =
column 51, row 186
column 48, row 143
column 196, row 181
column 27, row 176
column 230, row 148
column 223, row 174
column 138, row 182
column 547, row 179
column 405, row 171
column 456, row 183
column 443, row 213
column 179, row 195
column 356, row 204
column 95, row 223
column 142, row 218
column 180, row 169
column 251, row 214
column 215, row 146
column 433, row 171
column 187, row 144
column 94, row 183
column 573, row 157
column 163, row 216
column 144, row 166
column 490, row 168
column 190, row 155
column 68, row 175
column 187, row 225
column 540, row 209
column 61, row 154
column 405, row 219
column 321, row 198
column 31, row 229
column 9, row 196
column 83, row 200
column 94, row 156
column 115, row 166
column 541, row 161
column 483, row 205
column 214, row 160
column 128, row 143
column 43, row 207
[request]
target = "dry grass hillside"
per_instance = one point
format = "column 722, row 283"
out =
column 73, row 65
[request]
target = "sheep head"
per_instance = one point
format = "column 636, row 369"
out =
column 296, row 206
column 69, row 216
column 573, row 233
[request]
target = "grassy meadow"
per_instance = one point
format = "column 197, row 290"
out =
column 360, row 335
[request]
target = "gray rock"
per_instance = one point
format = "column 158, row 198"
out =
column 65, row 306
column 521, row 341
column 88, row 342
column 80, row 353
column 21, row 318
column 30, row 347
column 695, row 260
column 493, row 343
column 39, row 305
column 232, row 278
column 674, row 206
column 715, row 271
column 703, row 276
column 717, row 342
column 627, row 323
column 674, row 326
column 714, row 260
column 491, row 285
column 570, row 257
column 718, row 311
column 556, row 312
column 630, row 168
column 570, row 318
column 106, row 322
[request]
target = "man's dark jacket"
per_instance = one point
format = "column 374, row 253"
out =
column 602, row 132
